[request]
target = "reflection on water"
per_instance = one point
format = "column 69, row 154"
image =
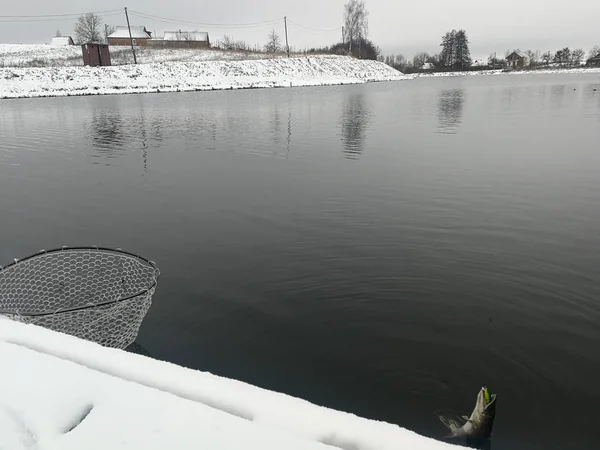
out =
column 113, row 132
column 450, row 110
column 355, row 120
column 289, row 133
column 107, row 133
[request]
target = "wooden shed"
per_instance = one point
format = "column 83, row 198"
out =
column 95, row 55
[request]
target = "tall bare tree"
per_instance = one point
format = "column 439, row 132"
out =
column 576, row 56
column 595, row 51
column 274, row 43
column 356, row 22
column 87, row 29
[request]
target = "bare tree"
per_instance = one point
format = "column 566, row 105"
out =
column 226, row 43
column 577, row 56
column 420, row 59
column 595, row 51
column 398, row 62
column 547, row 57
column 58, row 33
column 274, row 43
column 534, row 57
column 87, row 29
column 108, row 30
column 356, row 22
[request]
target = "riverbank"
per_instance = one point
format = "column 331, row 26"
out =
column 192, row 76
column 62, row 392
column 502, row 72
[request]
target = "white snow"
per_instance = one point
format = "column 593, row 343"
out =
column 189, row 76
column 34, row 55
column 61, row 40
column 41, row 55
column 60, row 392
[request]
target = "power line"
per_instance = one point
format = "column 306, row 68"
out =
column 315, row 29
column 59, row 15
column 52, row 19
column 207, row 25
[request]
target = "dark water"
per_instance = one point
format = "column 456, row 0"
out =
column 348, row 245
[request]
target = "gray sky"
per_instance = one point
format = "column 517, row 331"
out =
column 397, row 27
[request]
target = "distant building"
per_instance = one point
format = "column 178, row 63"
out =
column 427, row 66
column 140, row 36
column 594, row 61
column 517, row 60
column 182, row 39
column 62, row 40
column 186, row 36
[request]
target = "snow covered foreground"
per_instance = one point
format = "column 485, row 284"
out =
column 190, row 76
column 60, row 392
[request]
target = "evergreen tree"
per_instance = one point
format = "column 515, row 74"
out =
column 462, row 58
column 448, row 45
column 455, row 50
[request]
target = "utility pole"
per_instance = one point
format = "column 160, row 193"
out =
column 130, row 37
column 287, row 46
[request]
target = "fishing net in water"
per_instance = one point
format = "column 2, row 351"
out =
column 97, row 294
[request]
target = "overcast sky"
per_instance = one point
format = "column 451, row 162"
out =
column 396, row 26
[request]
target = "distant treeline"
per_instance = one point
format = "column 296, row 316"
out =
column 455, row 55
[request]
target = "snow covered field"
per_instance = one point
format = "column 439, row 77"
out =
column 190, row 76
column 41, row 55
column 59, row 392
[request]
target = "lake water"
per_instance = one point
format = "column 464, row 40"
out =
column 381, row 249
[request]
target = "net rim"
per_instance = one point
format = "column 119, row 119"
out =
column 83, row 307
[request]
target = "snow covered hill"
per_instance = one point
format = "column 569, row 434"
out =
column 41, row 55
column 60, row 392
column 190, row 76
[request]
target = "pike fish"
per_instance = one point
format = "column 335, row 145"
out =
column 478, row 426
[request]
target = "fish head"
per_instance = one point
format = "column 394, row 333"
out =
column 482, row 419
column 486, row 402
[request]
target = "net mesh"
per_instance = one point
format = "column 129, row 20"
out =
column 101, row 295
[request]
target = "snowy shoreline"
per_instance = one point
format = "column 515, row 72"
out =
column 192, row 76
column 59, row 391
column 516, row 72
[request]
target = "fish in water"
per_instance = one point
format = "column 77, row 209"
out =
column 479, row 426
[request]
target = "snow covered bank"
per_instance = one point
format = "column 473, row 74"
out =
column 41, row 55
column 190, row 76
column 500, row 72
column 57, row 391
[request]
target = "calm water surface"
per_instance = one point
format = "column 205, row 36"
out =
column 381, row 249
